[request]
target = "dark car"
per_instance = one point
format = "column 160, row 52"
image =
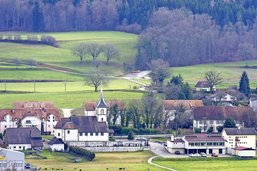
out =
column 177, row 152
column 27, row 166
column 214, row 155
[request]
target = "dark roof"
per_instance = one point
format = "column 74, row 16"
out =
column 240, row 131
column 23, row 136
column 69, row 125
column 203, row 137
column 188, row 104
column 202, row 84
column 83, row 124
column 91, row 106
column 56, row 141
column 221, row 112
column 101, row 104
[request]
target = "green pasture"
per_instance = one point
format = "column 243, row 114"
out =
column 230, row 72
column 131, row 161
column 62, row 56
column 74, row 99
column 209, row 164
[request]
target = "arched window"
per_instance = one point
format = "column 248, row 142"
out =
column 102, row 111
column 102, row 119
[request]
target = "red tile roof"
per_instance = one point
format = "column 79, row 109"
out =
column 188, row 104
column 203, row 137
column 202, row 84
column 33, row 105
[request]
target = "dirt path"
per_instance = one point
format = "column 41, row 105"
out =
column 157, row 165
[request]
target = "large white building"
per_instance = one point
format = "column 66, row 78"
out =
column 239, row 137
column 197, row 143
column 213, row 117
column 30, row 114
column 89, row 130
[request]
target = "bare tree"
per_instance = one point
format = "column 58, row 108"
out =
column 80, row 51
column 94, row 49
column 110, row 51
column 95, row 79
column 213, row 78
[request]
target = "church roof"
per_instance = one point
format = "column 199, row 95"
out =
column 101, row 102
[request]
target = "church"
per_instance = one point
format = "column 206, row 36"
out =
column 89, row 130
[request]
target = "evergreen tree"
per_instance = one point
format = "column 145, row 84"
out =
column 229, row 123
column 244, row 86
column 37, row 18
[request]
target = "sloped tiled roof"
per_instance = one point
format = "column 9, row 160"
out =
column 84, row 124
column 91, row 106
column 240, row 131
column 56, row 141
column 204, row 137
column 188, row 104
column 220, row 112
column 33, row 105
column 23, row 136
column 202, row 84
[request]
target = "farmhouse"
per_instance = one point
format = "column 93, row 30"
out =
column 170, row 107
column 203, row 86
column 239, row 139
column 213, row 117
column 197, row 143
column 23, row 138
column 41, row 115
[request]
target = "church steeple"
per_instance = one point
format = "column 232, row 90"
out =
column 101, row 102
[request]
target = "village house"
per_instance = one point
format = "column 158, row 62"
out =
column 240, row 141
column 23, row 138
column 171, row 106
column 212, row 117
column 203, row 86
column 91, row 109
column 229, row 96
column 89, row 130
column 253, row 103
column 42, row 115
column 197, row 143
column 56, row 144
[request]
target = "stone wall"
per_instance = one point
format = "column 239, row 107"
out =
column 116, row 149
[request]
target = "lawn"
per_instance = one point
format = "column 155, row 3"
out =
column 230, row 72
column 209, row 164
column 66, row 100
column 131, row 161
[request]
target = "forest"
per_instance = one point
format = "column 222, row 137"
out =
column 181, row 32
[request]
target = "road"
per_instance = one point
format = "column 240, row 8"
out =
column 157, row 165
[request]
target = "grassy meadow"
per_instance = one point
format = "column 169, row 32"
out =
column 131, row 161
column 210, row 164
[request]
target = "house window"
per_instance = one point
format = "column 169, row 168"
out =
column 102, row 134
column 91, row 134
column 102, row 111
column 68, row 132
column 19, row 147
column 102, row 119
column 14, row 146
column 58, row 134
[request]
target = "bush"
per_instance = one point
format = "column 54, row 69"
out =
column 119, row 130
column 210, row 130
column 131, row 135
column 111, row 139
column 219, row 128
column 49, row 40
column 197, row 130
column 82, row 152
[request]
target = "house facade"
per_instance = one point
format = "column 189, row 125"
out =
column 56, row 144
column 239, row 139
column 30, row 114
column 23, row 138
column 203, row 86
column 197, row 143
column 207, row 117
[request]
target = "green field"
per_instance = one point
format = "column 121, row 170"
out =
column 131, row 161
column 209, row 164
column 230, row 72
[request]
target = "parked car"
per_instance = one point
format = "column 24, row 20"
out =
column 197, row 155
column 27, row 166
column 214, row 155
column 191, row 155
column 177, row 152
column 203, row 154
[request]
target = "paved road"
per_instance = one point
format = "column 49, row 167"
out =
column 157, row 165
column 160, row 150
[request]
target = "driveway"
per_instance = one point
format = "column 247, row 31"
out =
column 160, row 150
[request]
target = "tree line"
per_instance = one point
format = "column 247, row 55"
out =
column 180, row 37
column 126, row 15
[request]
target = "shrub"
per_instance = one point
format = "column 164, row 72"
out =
column 219, row 128
column 82, row 152
column 197, row 130
column 49, row 40
column 111, row 139
column 131, row 135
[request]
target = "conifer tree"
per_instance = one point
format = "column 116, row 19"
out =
column 244, row 86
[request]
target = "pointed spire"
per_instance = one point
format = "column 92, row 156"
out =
column 101, row 103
